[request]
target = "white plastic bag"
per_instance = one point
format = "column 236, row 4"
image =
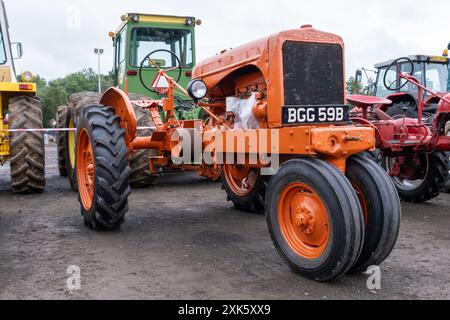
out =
column 243, row 111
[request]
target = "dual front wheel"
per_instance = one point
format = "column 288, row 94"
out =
column 323, row 223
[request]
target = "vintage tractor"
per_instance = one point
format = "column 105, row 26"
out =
column 279, row 127
column 413, row 143
column 21, row 141
column 431, row 72
column 136, row 36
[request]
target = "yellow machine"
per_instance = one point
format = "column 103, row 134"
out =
column 21, row 135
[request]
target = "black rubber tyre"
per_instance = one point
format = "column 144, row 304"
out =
column 27, row 149
column 447, row 132
column 76, row 103
column 71, row 122
column 381, row 207
column 111, row 178
column 397, row 110
column 433, row 183
column 61, row 115
column 346, row 225
column 141, row 176
column 253, row 202
column 79, row 100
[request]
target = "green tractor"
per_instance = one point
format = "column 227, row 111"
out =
column 140, row 38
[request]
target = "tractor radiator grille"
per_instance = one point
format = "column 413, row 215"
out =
column 313, row 73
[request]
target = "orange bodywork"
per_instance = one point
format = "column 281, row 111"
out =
column 255, row 67
column 263, row 64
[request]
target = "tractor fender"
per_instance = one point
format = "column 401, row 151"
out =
column 444, row 106
column 118, row 99
column 402, row 97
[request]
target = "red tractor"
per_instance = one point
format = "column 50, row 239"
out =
column 410, row 128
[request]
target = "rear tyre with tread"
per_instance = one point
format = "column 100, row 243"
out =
column 102, row 168
column 397, row 110
column 245, row 187
column 27, row 149
column 61, row 116
column 141, row 176
column 70, row 148
column 315, row 219
column 436, row 177
column 381, row 208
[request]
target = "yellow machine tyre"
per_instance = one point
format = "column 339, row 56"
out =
column 61, row 115
column 70, row 149
column 102, row 168
column 76, row 103
column 27, row 149
column 315, row 219
column 381, row 208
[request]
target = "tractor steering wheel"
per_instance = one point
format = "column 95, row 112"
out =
column 397, row 64
column 152, row 62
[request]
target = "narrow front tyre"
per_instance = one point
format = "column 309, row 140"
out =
column 315, row 219
column 381, row 210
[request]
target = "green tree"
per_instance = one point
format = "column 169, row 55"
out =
column 56, row 92
column 354, row 87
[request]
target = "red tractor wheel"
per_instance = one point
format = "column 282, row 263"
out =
column 418, row 177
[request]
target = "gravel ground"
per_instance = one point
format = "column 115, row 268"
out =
column 182, row 240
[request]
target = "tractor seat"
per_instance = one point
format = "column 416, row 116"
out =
column 361, row 101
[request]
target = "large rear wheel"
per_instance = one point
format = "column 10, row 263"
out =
column 102, row 168
column 381, row 210
column 245, row 187
column 315, row 219
column 141, row 176
column 27, row 149
column 61, row 116
column 421, row 177
column 70, row 148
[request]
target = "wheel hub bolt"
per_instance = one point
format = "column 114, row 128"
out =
column 304, row 219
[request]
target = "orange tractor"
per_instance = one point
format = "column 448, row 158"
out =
column 279, row 128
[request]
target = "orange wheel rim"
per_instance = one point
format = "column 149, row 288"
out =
column 85, row 170
column 304, row 221
column 241, row 179
column 363, row 203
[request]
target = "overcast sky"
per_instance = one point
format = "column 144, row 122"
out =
column 55, row 43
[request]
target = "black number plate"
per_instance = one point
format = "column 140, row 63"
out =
column 315, row 114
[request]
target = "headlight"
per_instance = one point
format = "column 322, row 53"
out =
column 197, row 89
column 27, row 76
column 190, row 21
column 135, row 18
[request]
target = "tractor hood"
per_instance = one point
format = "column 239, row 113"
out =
column 264, row 54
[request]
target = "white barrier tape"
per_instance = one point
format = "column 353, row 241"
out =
column 62, row 129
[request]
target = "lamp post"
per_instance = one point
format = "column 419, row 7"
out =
column 99, row 52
